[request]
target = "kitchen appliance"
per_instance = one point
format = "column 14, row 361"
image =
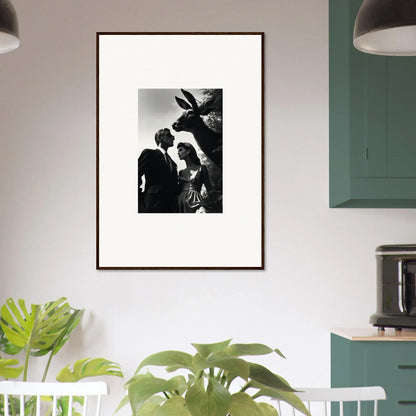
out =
column 396, row 286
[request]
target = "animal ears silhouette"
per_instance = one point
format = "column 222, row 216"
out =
column 204, row 109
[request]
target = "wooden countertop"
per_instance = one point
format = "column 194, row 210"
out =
column 372, row 334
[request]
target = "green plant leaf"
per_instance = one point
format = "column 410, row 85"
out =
column 148, row 409
column 243, row 405
column 175, row 406
column 62, row 338
column 6, row 346
column 238, row 350
column 72, row 323
column 206, row 349
column 124, row 401
column 63, row 405
column 177, row 359
column 267, row 378
column 237, row 367
column 89, row 367
column 38, row 329
column 267, row 409
column 8, row 369
column 215, row 401
column 142, row 386
column 286, row 396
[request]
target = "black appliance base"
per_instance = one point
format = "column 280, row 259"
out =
column 393, row 321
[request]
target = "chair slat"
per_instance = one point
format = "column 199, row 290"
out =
column 22, row 404
column 54, row 405
column 37, row 405
column 98, row 405
column 6, row 405
column 70, row 406
column 84, row 406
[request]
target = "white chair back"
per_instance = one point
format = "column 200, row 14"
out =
column 22, row 391
column 318, row 400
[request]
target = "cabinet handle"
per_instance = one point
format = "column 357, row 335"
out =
column 407, row 402
column 407, row 367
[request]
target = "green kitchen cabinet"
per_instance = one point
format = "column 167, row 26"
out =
column 372, row 121
column 387, row 363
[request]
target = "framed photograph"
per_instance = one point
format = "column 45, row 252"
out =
column 180, row 133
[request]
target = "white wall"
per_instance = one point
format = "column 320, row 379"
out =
column 320, row 266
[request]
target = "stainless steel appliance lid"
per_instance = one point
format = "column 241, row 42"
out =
column 396, row 249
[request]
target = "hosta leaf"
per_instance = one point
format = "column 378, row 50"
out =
column 89, row 367
column 38, row 329
column 267, row 378
column 175, row 406
column 243, row 405
column 267, row 409
column 178, row 359
column 206, row 349
column 288, row 397
column 142, row 386
column 8, row 369
column 238, row 350
column 215, row 401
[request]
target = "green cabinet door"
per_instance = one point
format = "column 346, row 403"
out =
column 372, row 120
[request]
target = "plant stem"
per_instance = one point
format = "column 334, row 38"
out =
column 45, row 372
column 26, row 364
column 29, row 343
column 166, row 395
column 59, row 340
column 219, row 374
column 245, row 387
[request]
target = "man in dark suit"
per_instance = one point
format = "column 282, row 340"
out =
column 160, row 174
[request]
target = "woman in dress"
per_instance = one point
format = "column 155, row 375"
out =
column 191, row 180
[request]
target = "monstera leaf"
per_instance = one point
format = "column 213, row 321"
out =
column 63, row 337
column 6, row 346
column 38, row 329
column 8, row 368
column 89, row 367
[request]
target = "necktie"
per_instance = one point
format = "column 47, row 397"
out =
column 168, row 162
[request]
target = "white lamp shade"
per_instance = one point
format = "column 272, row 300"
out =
column 8, row 42
column 399, row 41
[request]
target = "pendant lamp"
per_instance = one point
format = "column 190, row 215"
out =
column 9, row 31
column 386, row 27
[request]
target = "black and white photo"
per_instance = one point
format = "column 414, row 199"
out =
column 180, row 151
